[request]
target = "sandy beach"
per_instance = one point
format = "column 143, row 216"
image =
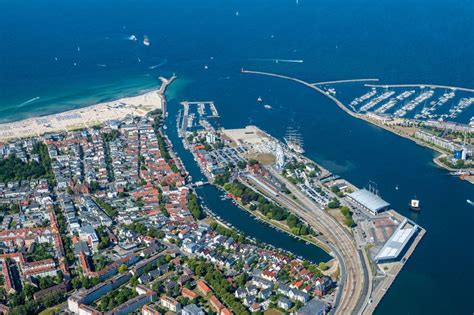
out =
column 87, row 116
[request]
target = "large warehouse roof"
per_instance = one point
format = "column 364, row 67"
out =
column 369, row 200
column 395, row 244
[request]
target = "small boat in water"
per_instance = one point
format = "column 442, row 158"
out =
column 146, row 40
column 415, row 204
column 470, row 202
column 259, row 99
column 267, row 106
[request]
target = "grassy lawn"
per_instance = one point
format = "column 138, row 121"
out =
column 53, row 310
column 272, row 311
column 262, row 158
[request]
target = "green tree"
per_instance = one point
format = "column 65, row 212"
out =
column 253, row 162
column 349, row 222
column 194, row 207
column 122, row 268
column 323, row 266
column 345, row 210
column 14, row 169
column 334, row 203
column 104, row 239
column 241, row 164
column 139, row 202
column 94, row 186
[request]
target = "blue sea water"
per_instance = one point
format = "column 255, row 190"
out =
column 396, row 41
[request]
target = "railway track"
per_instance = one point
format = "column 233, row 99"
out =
column 351, row 288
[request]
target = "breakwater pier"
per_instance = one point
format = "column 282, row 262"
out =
column 432, row 86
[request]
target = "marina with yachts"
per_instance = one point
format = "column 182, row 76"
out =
column 414, row 102
column 434, row 116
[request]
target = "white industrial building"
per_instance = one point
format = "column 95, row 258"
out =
column 395, row 245
column 368, row 201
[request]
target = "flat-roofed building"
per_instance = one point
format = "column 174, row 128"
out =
column 369, row 201
column 395, row 245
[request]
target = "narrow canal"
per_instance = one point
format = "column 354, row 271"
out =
column 231, row 213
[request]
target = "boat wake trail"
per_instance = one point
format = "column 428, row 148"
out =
column 29, row 101
column 279, row 60
column 158, row 65
column 132, row 38
column 121, row 37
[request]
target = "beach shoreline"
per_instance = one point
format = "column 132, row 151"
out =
column 87, row 116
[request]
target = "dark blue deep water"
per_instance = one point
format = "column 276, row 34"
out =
column 396, row 41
